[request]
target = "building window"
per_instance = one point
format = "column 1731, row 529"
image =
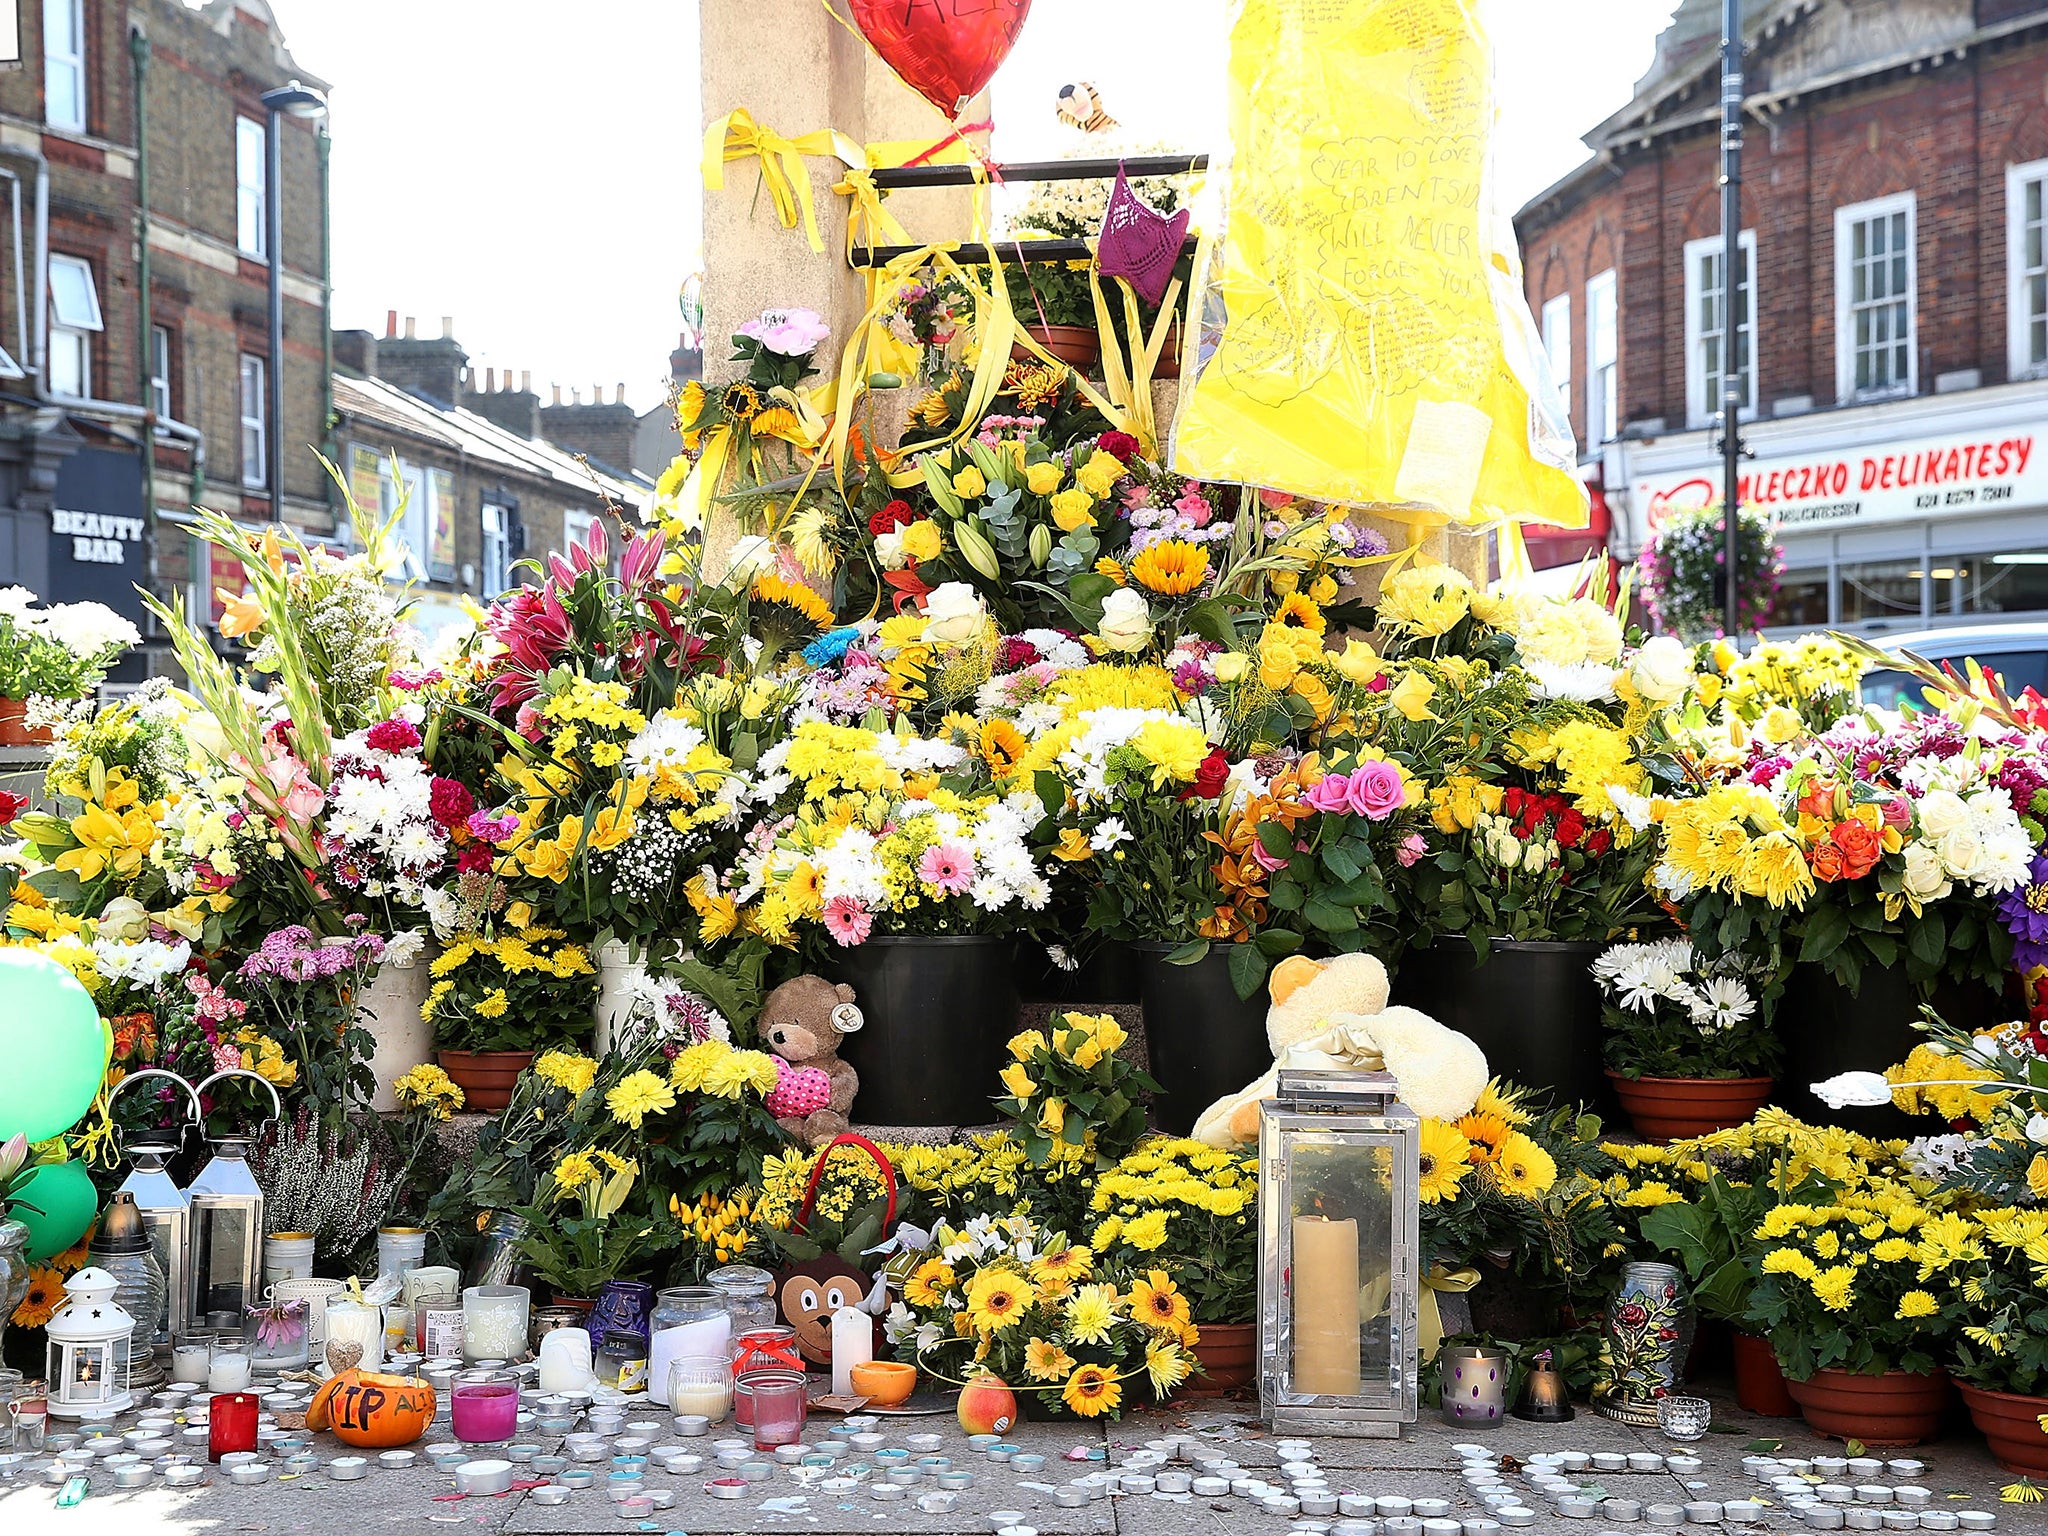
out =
column 1874, row 299
column 1882, row 589
column 497, row 561
column 1707, row 346
column 255, row 448
column 160, row 371
column 74, row 317
column 2026, row 261
column 64, row 64
column 251, row 205
column 1557, row 346
column 1603, row 360
column 1802, row 599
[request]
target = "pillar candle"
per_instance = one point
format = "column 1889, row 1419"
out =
column 359, row 1323
column 853, row 1343
column 1325, row 1298
column 565, row 1361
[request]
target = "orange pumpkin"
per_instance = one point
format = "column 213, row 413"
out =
column 371, row 1410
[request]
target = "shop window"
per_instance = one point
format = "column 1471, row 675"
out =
column 2015, row 581
column 1881, row 589
column 1708, row 346
column 1802, row 598
column 1874, row 299
column 2026, row 260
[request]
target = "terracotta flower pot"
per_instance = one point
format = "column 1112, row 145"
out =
column 485, row 1077
column 1671, row 1108
column 1229, row 1356
column 13, row 733
column 1897, row 1408
column 1760, row 1380
column 1075, row 345
column 1168, row 366
column 2011, row 1424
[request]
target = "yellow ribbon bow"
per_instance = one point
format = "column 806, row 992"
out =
column 736, row 136
column 1441, row 1277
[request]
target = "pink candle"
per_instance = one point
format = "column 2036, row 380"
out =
column 779, row 1404
column 484, row 1411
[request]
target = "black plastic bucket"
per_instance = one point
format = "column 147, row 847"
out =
column 938, row 1016
column 1203, row 1041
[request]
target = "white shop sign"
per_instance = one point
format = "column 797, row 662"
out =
column 1913, row 478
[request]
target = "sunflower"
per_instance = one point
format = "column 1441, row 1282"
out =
column 1298, row 611
column 787, row 614
column 741, row 401
column 1092, row 1391
column 1046, row 1362
column 929, row 1283
column 1110, row 568
column 1446, row 1158
column 1002, row 747
column 45, row 1290
column 1172, row 567
column 1158, row 1303
column 775, row 421
column 1524, row 1168
column 1486, row 1132
column 996, row 1299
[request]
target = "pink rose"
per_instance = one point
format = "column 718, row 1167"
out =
column 1331, row 795
column 1376, row 790
column 1266, row 861
column 1411, row 850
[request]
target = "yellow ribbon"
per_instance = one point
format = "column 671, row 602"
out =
column 736, row 136
column 1441, row 1277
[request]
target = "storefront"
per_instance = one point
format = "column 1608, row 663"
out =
column 1929, row 511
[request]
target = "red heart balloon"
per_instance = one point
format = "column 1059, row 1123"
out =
column 945, row 50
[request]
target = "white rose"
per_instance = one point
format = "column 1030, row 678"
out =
column 124, row 919
column 1941, row 812
column 953, row 614
column 1924, row 879
column 2037, row 1129
column 1126, row 621
column 889, row 550
column 1961, row 851
column 1662, row 670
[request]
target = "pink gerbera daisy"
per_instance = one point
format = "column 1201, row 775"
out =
column 947, row 868
column 848, row 921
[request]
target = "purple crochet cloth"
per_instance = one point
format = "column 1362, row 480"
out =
column 1139, row 243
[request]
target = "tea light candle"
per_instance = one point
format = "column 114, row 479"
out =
column 1976, row 1519
column 1860, row 1517
column 1937, row 1520
column 1823, row 1517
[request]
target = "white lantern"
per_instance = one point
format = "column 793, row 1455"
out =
column 88, row 1340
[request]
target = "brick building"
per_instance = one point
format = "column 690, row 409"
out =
column 1893, row 343
column 135, row 141
column 481, row 485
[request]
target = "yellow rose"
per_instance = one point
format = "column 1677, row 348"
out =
column 1043, row 479
column 1101, row 472
column 1027, row 1044
column 1357, row 663
column 922, row 540
column 1073, row 509
column 1411, row 697
column 1018, row 1081
column 968, row 484
column 1228, row 667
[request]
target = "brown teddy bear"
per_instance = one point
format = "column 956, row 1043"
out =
column 801, row 1022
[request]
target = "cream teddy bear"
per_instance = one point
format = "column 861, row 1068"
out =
column 1333, row 1015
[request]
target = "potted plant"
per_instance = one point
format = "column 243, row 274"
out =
column 1689, row 1041
column 1055, row 307
column 1190, row 1210
column 1069, row 1096
column 593, row 1219
column 55, row 654
column 1860, row 1299
column 2000, row 1356
column 497, row 1000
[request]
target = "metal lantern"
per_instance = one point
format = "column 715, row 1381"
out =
column 226, row 1272
column 166, row 1212
column 121, row 1248
column 88, row 1342
column 1339, row 1255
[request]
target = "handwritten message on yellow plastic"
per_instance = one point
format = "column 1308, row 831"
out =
column 1363, row 339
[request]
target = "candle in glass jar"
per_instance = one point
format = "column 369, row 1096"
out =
column 230, row 1424
column 779, row 1404
column 483, row 1412
column 228, row 1372
column 494, row 1322
column 189, row 1363
column 1325, row 1276
column 358, row 1323
column 700, row 1384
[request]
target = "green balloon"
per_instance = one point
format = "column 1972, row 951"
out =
column 52, row 1042
column 66, row 1204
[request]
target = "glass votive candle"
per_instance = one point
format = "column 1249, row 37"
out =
column 190, row 1361
column 700, row 1385
column 485, row 1409
column 780, row 1399
column 1475, row 1386
column 228, row 1367
column 230, row 1424
column 1684, row 1418
column 354, row 1333
column 494, row 1322
column 274, row 1337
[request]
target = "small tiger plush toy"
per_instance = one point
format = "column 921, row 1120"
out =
column 1080, row 107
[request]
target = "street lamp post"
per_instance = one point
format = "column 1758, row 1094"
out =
column 289, row 100
column 1731, row 256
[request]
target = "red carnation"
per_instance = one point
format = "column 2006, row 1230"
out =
column 1017, row 654
column 393, row 736
column 898, row 514
column 477, row 856
column 450, row 802
column 1121, row 445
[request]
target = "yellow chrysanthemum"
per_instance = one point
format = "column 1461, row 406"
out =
column 1091, row 1312
column 638, row 1095
column 1917, row 1304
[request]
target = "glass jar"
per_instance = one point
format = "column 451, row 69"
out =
column 437, row 1325
column 400, row 1249
column 12, row 1391
column 748, row 1294
column 702, row 1385
column 622, row 1361
column 274, row 1336
column 687, row 1320
column 1649, row 1332
column 780, row 1401
column 494, row 1322
column 484, row 1407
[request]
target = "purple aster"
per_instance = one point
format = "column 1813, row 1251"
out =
column 2024, row 910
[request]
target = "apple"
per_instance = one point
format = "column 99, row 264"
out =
column 987, row 1407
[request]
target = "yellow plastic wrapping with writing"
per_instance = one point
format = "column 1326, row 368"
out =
column 1364, row 336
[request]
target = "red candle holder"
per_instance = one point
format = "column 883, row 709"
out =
column 230, row 1424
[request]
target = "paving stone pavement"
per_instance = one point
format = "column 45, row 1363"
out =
column 1421, row 1464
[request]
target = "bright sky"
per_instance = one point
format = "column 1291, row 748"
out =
column 530, row 169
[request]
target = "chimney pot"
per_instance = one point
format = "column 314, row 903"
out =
column 525, row 381
column 411, row 328
column 390, row 322
column 558, row 394
column 490, row 381
column 620, row 396
column 575, row 395
column 447, row 327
